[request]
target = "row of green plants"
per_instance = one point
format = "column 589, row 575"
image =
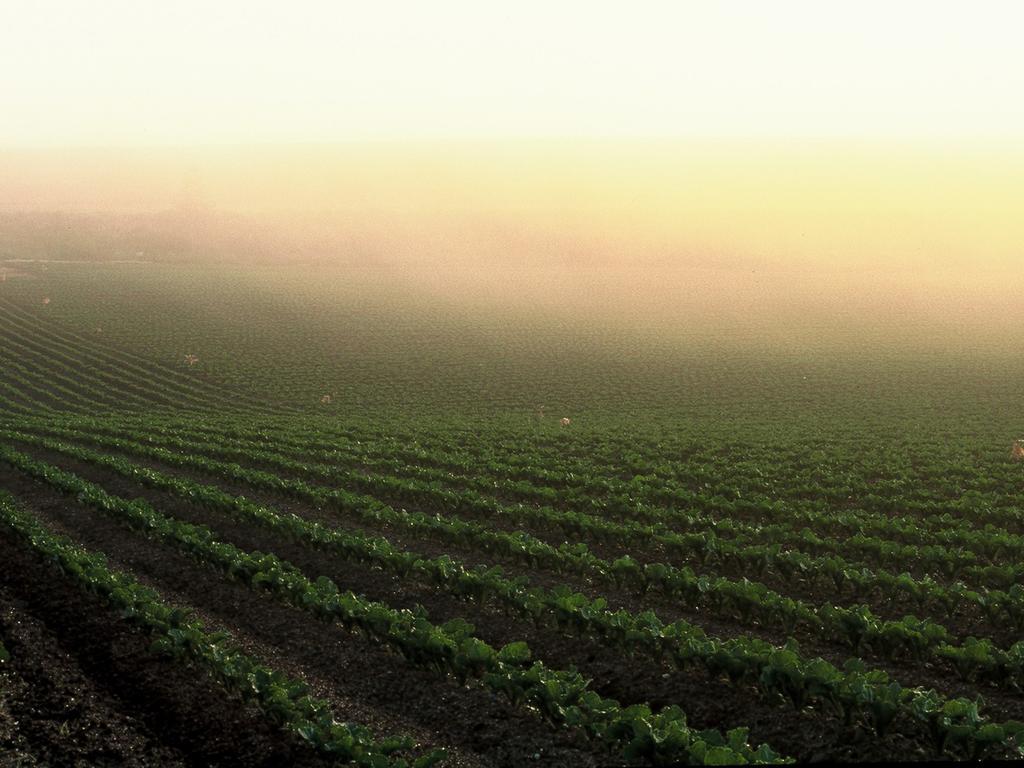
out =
column 562, row 696
column 679, row 641
column 991, row 605
column 188, row 391
column 726, row 485
column 60, row 389
column 16, row 406
column 974, row 659
column 942, row 551
column 855, row 626
column 762, row 470
column 284, row 701
column 779, row 671
column 93, row 381
column 744, row 516
column 753, row 472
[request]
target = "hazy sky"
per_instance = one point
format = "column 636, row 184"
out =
column 744, row 133
column 115, row 72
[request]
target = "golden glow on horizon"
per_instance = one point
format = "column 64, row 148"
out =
column 643, row 203
column 918, row 160
column 79, row 72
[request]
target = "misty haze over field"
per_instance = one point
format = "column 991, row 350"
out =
column 559, row 383
column 814, row 243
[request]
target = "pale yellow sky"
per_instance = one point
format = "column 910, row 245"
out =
column 117, row 72
column 790, row 132
column 829, row 203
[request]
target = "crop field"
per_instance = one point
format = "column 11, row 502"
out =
column 269, row 517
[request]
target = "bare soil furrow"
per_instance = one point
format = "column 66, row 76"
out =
column 479, row 728
column 628, row 679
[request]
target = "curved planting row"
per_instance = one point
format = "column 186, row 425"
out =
column 562, row 696
column 285, row 701
column 130, row 369
column 776, row 671
column 15, row 401
column 856, row 627
column 78, row 373
column 85, row 355
column 89, row 378
column 726, row 482
column 729, row 479
column 53, row 393
column 942, row 549
column 835, row 572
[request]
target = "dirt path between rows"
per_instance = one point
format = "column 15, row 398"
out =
column 806, row 735
column 87, row 689
column 365, row 682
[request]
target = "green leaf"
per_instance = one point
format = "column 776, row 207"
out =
column 723, row 756
column 516, row 654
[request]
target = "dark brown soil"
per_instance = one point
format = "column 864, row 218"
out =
column 966, row 622
column 709, row 702
column 296, row 643
column 83, row 689
column 458, row 480
column 963, row 624
column 365, row 683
